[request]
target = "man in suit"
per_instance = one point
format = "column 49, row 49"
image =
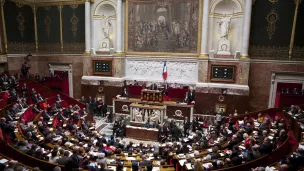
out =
column 33, row 92
column 46, row 116
column 153, row 86
column 95, row 105
column 104, row 109
column 40, row 98
column 24, row 88
column 64, row 159
column 191, row 96
column 58, row 105
column 58, row 98
column 35, row 109
column 26, row 128
column 35, row 99
column 186, row 126
column 125, row 93
column 145, row 163
column 82, row 100
column 266, row 147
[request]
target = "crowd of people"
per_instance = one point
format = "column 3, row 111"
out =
column 224, row 144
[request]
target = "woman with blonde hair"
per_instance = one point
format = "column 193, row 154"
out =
column 198, row 166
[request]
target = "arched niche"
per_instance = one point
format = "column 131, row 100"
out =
column 218, row 9
column 105, row 8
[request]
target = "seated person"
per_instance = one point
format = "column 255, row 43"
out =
column 266, row 147
column 40, row 98
column 35, row 98
column 33, row 92
column 25, row 127
column 58, row 98
column 46, row 116
column 153, row 86
column 24, row 88
column 58, row 105
column 35, row 109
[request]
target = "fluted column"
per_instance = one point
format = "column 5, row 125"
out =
column 204, row 41
column 87, row 27
column 246, row 30
column 119, row 30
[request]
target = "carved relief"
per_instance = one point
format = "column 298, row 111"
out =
column 271, row 18
column 74, row 21
column 47, row 22
column 20, row 20
column 179, row 71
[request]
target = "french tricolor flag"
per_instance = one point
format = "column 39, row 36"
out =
column 165, row 74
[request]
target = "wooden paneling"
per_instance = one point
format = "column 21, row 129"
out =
column 205, row 103
column 92, row 90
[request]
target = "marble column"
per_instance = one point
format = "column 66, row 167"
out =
column 119, row 29
column 246, row 30
column 87, row 27
column 204, row 41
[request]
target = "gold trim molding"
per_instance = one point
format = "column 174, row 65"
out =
column 3, row 26
column 40, row 4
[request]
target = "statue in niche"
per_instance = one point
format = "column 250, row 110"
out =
column 146, row 116
column 106, row 27
column 225, row 25
column 155, row 117
column 224, row 43
column 139, row 117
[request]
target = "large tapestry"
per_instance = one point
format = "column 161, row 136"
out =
column 170, row 26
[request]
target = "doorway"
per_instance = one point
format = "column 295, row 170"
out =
column 64, row 71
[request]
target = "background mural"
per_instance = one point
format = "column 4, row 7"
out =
column 171, row 26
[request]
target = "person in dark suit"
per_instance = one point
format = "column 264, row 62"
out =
column 58, row 98
column 191, row 96
column 37, row 77
column 35, row 99
column 145, row 163
column 104, row 109
column 24, row 88
column 8, row 116
column 266, row 147
column 82, row 100
column 58, row 105
column 95, row 105
column 73, row 162
column 35, row 109
column 46, row 116
column 125, row 93
column 153, row 86
column 33, row 92
column 186, row 126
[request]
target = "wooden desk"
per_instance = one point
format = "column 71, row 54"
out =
column 122, row 106
column 142, row 133
column 151, row 95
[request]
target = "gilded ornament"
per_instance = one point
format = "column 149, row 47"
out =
column 273, row 1
column 74, row 21
column 74, row 6
column 19, row 5
column 20, row 20
column 47, row 8
column 2, row 2
column 47, row 22
column 271, row 18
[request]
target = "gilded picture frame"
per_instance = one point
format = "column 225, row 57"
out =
column 154, row 53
